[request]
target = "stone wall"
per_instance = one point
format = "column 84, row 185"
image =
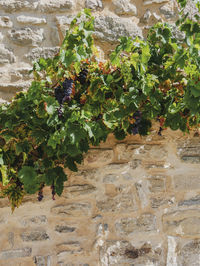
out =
column 28, row 30
column 133, row 202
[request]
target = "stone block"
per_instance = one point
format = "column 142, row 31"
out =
column 182, row 223
column 126, row 152
column 34, row 236
column 34, row 220
column 31, row 20
column 121, row 252
column 111, row 178
column 111, row 190
column 156, row 164
column 168, row 10
column 50, row 6
column 54, row 36
column 189, row 254
column 145, row 223
column 12, row 6
column 64, row 229
column 110, row 29
column 186, row 182
column 161, row 200
column 157, row 184
column 142, row 192
column 123, row 202
column 46, row 52
column 94, row 4
column 72, row 209
column 15, row 253
column 146, row 17
column 150, row 2
column 39, row 261
column 97, row 158
column 124, row 7
column 72, row 191
column 69, row 247
column 190, row 202
column 5, row 22
column 189, row 151
column 27, row 36
column 6, row 56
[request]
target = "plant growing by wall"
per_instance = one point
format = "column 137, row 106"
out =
column 75, row 101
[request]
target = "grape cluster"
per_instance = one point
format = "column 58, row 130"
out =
column 137, row 116
column 160, row 131
column 53, row 192
column 63, row 94
column 82, row 77
column 40, row 193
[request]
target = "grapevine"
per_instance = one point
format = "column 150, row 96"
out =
column 76, row 101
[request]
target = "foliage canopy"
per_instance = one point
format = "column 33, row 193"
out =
column 155, row 79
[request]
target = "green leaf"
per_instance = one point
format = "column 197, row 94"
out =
column 28, row 176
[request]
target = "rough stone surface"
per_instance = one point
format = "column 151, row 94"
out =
column 72, row 209
column 190, row 202
column 18, row 5
column 34, row 236
column 49, row 6
column 186, row 182
column 15, row 253
column 189, row 151
column 94, row 4
column 38, row 52
column 168, row 10
column 5, row 22
column 31, row 20
column 150, row 2
column 124, row 253
column 67, row 248
column 145, row 223
column 185, row 222
column 189, row 254
column 64, row 229
column 6, row 56
column 141, row 209
column 122, row 203
column 124, row 7
column 78, row 190
column 39, row 261
column 145, row 18
column 35, row 220
column 104, row 157
column 111, row 29
column 27, row 36
column 157, row 184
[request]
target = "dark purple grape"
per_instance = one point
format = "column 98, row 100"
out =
column 40, row 192
column 160, row 131
column 59, row 94
column 82, row 77
column 40, row 196
column 66, row 98
column 138, row 117
column 53, row 191
column 135, row 130
column 67, row 87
